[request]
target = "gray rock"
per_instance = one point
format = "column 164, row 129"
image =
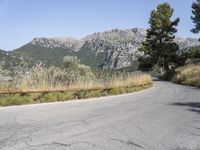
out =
column 61, row 42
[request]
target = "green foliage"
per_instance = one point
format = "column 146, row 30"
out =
column 117, row 90
column 146, row 63
column 75, row 69
column 52, row 97
column 194, row 54
column 6, row 100
column 159, row 47
column 34, row 54
column 70, row 62
column 196, row 16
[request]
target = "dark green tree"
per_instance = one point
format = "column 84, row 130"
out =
column 194, row 54
column 196, row 16
column 159, row 47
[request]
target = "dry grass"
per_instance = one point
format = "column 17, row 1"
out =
column 40, row 78
column 72, row 84
column 113, row 80
column 130, row 79
column 189, row 75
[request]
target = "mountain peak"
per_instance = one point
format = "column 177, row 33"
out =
column 61, row 42
column 118, row 35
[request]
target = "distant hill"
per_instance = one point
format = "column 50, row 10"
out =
column 37, row 53
column 114, row 49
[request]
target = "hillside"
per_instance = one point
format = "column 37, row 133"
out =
column 114, row 49
column 37, row 53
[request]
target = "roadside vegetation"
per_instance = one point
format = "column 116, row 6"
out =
column 161, row 55
column 189, row 75
column 73, row 81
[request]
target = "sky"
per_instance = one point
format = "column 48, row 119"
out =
column 23, row 20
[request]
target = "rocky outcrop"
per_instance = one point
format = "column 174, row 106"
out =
column 116, row 35
column 120, row 46
column 118, row 59
column 186, row 43
column 58, row 42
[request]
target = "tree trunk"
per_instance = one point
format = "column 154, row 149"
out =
column 161, row 71
column 166, row 67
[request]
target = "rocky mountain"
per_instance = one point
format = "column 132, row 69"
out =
column 186, row 43
column 117, row 35
column 117, row 49
column 114, row 49
column 58, row 42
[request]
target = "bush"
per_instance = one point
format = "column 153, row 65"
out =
column 70, row 61
column 74, row 69
column 194, row 55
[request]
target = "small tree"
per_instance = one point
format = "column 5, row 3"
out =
column 74, row 69
column 196, row 16
column 159, row 47
column 70, row 62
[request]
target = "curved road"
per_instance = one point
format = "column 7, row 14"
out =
column 165, row 117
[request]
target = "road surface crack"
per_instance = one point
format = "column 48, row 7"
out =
column 128, row 143
column 61, row 144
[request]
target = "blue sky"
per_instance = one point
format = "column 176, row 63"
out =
column 22, row 20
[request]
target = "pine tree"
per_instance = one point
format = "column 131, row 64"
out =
column 159, row 47
column 196, row 16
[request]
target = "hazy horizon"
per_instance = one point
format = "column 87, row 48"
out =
column 22, row 21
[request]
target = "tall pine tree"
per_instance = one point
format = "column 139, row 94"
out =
column 159, row 47
column 196, row 16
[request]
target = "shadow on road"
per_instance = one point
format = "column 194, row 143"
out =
column 192, row 106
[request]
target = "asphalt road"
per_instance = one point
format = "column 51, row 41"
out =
column 165, row 117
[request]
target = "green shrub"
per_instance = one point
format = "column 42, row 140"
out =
column 194, row 54
column 93, row 93
column 17, row 99
column 51, row 97
column 117, row 90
